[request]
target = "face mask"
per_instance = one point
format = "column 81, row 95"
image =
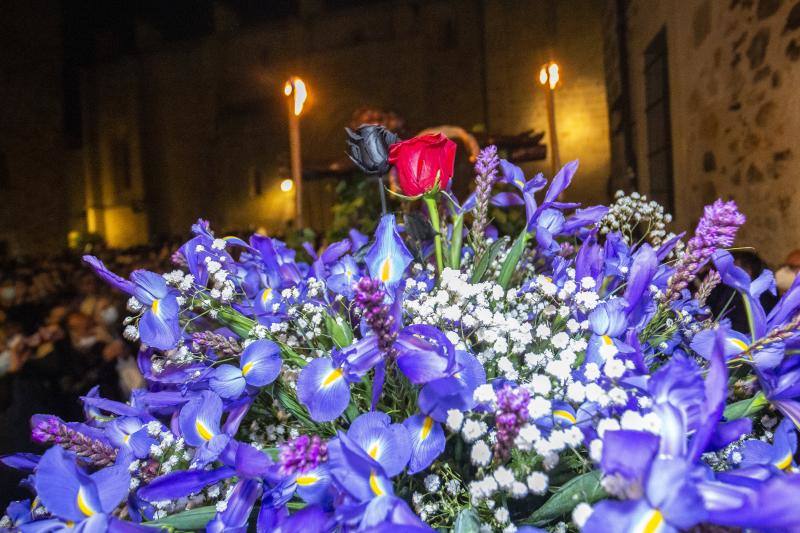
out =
column 784, row 277
column 109, row 315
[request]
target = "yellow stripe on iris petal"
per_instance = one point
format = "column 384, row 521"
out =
column 386, row 270
column 607, row 340
column 566, row 415
column 248, row 367
column 652, row 522
column 375, row 485
column 332, row 377
column 83, row 505
column 306, row 480
column 374, row 450
column 739, row 344
column 784, row 463
column 155, row 306
column 266, row 294
column 427, row 425
column 202, row 430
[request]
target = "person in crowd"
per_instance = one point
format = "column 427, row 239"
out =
column 786, row 274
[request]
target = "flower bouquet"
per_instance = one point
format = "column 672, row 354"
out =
column 439, row 376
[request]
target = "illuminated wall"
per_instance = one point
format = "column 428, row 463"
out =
column 734, row 69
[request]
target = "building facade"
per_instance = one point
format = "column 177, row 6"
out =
column 713, row 109
column 40, row 171
column 175, row 129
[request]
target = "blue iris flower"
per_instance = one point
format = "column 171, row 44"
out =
column 388, row 444
column 259, row 365
column 70, row 494
column 423, row 354
column 435, row 399
column 130, row 433
column 199, row 422
column 779, row 454
column 662, row 492
column 343, row 274
column 388, row 257
column 547, row 218
column 158, row 326
column 355, row 472
column 369, row 502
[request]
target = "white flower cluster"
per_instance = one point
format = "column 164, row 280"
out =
column 636, row 218
column 169, row 454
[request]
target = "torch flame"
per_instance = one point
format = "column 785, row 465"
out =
column 552, row 71
column 549, row 75
column 297, row 87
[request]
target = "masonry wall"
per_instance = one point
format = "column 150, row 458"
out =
column 735, row 109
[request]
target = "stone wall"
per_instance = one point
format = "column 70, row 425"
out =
column 734, row 69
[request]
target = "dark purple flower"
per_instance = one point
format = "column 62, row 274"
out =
column 302, row 454
column 510, row 416
column 370, row 298
column 717, row 229
column 50, row 429
column 486, row 175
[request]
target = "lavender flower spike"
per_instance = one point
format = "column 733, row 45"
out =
column 370, row 298
column 717, row 229
column 45, row 428
column 486, row 169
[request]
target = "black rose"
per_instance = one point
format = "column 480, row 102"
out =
column 368, row 148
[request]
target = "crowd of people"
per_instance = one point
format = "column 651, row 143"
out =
column 60, row 335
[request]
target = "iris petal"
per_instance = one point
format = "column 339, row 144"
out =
column 427, row 441
column 261, row 362
column 323, row 389
column 227, row 381
column 199, row 418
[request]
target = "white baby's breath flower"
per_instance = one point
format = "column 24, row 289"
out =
column 480, row 455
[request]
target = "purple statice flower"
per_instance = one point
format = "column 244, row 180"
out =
column 716, row 229
column 302, row 454
column 510, row 416
column 50, row 429
column 369, row 297
column 486, row 175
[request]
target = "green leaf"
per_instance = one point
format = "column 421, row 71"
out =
column 240, row 324
column 467, row 522
column 193, row 519
column 507, row 270
column 340, row 331
column 746, row 408
column 584, row 488
column 486, row 259
column 456, row 242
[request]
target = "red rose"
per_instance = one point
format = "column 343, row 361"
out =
column 423, row 160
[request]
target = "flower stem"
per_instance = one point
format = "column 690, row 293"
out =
column 433, row 211
column 382, row 193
